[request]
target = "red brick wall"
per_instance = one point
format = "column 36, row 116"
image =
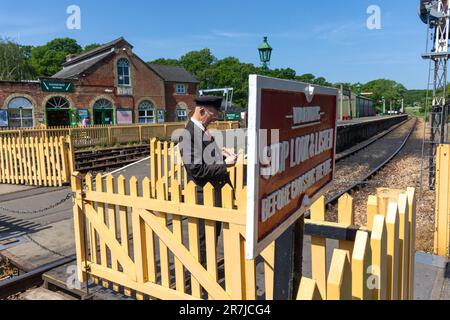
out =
column 31, row 91
column 173, row 99
column 99, row 82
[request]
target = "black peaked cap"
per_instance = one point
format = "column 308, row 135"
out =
column 209, row 101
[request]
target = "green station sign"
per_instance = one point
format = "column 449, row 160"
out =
column 232, row 116
column 56, row 86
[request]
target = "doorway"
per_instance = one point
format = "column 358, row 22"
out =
column 103, row 116
column 103, row 112
column 58, row 117
column 58, row 112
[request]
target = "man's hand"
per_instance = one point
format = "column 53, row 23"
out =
column 228, row 152
column 231, row 160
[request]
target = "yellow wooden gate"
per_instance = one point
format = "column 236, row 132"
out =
column 144, row 241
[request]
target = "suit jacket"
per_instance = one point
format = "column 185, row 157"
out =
column 203, row 167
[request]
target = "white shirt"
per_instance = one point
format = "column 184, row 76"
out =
column 198, row 124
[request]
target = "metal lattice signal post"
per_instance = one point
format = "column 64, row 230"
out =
column 436, row 14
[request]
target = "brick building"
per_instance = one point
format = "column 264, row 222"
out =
column 108, row 85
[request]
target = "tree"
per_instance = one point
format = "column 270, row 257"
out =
column 389, row 89
column 307, row 77
column 321, row 81
column 14, row 61
column 287, row 73
column 413, row 97
column 197, row 62
column 91, row 46
column 48, row 59
column 166, row 62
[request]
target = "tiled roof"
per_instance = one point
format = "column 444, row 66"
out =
column 76, row 69
column 173, row 74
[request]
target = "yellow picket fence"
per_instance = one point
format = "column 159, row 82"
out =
column 103, row 135
column 376, row 263
column 36, row 161
column 442, row 233
column 144, row 238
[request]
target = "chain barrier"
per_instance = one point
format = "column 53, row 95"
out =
column 44, row 247
column 57, row 204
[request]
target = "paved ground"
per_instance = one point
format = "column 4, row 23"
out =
column 42, row 237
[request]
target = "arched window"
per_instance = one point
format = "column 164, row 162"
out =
column 20, row 111
column 181, row 112
column 123, row 72
column 57, row 103
column 58, row 112
column 103, row 104
column 146, row 112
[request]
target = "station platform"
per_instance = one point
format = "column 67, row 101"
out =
column 366, row 120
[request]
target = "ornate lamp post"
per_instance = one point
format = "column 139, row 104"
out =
column 265, row 53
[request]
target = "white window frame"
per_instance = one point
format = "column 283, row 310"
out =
column 180, row 88
column 120, row 65
column 21, row 116
column 185, row 114
column 161, row 113
column 147, row 111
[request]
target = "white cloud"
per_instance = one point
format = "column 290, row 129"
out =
column 234, row 35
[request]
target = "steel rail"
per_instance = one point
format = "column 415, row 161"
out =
column 30, row 279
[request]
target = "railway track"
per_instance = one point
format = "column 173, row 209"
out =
column 110, row 158
column 33, row 278
column 395, row 145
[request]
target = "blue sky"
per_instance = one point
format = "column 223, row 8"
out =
column 328, row 38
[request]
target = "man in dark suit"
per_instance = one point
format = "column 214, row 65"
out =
column 203, row 160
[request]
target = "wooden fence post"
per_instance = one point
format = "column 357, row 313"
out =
column 378, row 244
column 393, row 252
column 308, row 290
column 372, row 211
column 346, row 218
column 319, row 250
column 70, row 155
column 412, row 241
column 404, row 250
column 339, row 285
column 110, row 140
column 442, row 237
column 232, row 251
column 165, row 131
column 79, row 226
column 153, row 164
column 361, row 261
